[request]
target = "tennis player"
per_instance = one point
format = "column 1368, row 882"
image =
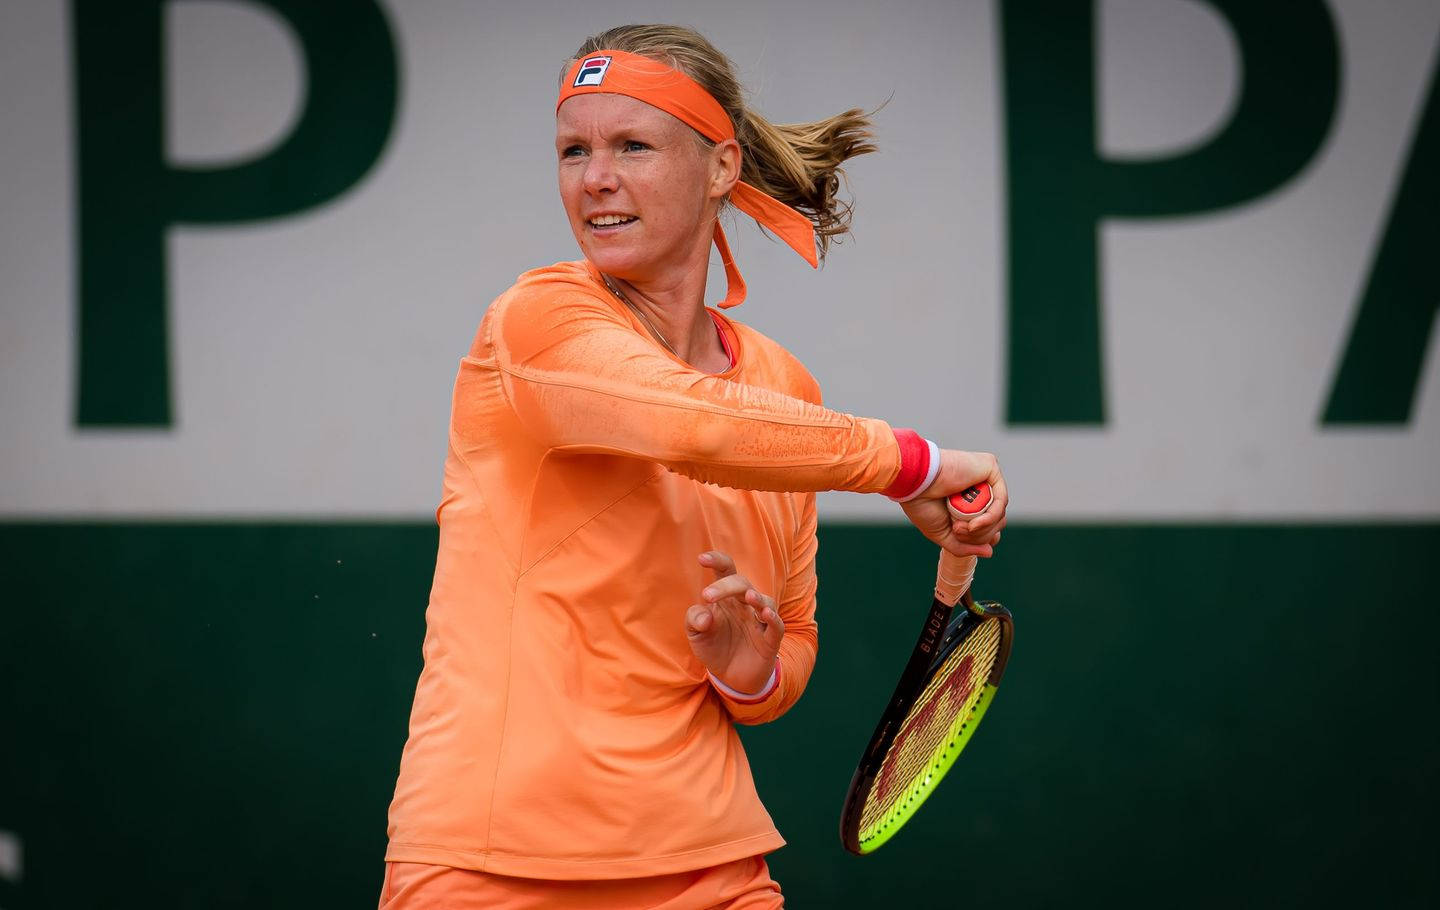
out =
column 626, row 565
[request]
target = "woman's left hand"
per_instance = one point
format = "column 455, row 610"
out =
column 734, row 630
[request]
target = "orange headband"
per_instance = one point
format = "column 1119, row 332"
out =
column 660, row 86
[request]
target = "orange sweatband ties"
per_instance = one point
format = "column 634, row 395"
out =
column 661, row 86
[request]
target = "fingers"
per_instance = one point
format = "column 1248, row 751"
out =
column 761, row 602
column 767, row 615
column 698, row 621
column 984, row 529
column 727, row 586
column 972, row 539
column 701, row 620
column 738, row 587
column 992, row 521
column 719, row 562
column 730, row 584
column 975, row 531
column 774, row 627
column 1000, row 493
column 965, row 536
column 959, row 548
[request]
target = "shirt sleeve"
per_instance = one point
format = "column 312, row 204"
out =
column 581, row 379
column 801, row 642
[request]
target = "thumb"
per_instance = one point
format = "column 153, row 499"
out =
column 698, row 621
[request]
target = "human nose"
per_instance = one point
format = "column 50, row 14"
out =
column 600, row 174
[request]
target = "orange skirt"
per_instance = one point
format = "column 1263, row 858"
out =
column 742, row 885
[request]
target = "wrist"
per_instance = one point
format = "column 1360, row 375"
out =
column 942, row 481
column 919, row 466
column 772, row 682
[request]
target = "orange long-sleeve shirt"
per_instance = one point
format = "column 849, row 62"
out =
column 561, row 727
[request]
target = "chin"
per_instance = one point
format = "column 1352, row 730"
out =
column 621, row 263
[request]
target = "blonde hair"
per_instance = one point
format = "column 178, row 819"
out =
column 797, row 163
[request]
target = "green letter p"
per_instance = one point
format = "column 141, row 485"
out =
column 129, row 196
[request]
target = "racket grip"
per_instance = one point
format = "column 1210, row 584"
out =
column 953, row 577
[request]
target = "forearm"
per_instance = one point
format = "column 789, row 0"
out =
column 581, row 380
column 709, row 429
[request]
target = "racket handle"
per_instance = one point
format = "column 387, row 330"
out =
column 953, row 577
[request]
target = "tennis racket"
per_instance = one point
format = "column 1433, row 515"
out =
column 943, row 693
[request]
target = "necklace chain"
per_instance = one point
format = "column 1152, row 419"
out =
column 641, row 313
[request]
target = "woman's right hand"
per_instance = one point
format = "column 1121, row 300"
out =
column 929, row 512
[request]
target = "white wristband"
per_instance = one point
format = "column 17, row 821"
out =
column 736, row 695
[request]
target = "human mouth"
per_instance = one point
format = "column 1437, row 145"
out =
column 605, row 221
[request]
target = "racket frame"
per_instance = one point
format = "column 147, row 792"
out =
column 945, row 629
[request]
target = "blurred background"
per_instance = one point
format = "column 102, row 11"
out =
column 1175, row 261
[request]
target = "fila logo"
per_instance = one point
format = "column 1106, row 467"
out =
column 592, row 71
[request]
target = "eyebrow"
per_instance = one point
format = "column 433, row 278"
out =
column 625, row 127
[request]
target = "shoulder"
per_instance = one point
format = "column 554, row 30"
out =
column 561, row 283
column 781, row 369
column 542, row 302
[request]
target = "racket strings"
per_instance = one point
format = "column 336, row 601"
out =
column 932, row 726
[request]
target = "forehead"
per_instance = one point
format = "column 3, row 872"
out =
column 606, row 114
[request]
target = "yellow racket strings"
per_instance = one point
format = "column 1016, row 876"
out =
column 921, row 750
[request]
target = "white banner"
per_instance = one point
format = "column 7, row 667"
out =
column 311, row 355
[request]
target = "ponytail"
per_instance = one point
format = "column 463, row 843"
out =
column 800, row 164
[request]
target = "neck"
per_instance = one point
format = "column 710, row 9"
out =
column 676, row 311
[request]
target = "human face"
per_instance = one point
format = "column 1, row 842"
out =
column 639, row 187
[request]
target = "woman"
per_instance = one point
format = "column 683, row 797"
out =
column 619, row 451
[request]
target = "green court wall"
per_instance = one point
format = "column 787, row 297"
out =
column 211, row 715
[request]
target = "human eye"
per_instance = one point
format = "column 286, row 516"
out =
column 635, row 145
column 571, row 151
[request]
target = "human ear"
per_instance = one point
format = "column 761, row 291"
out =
column 724, row 168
